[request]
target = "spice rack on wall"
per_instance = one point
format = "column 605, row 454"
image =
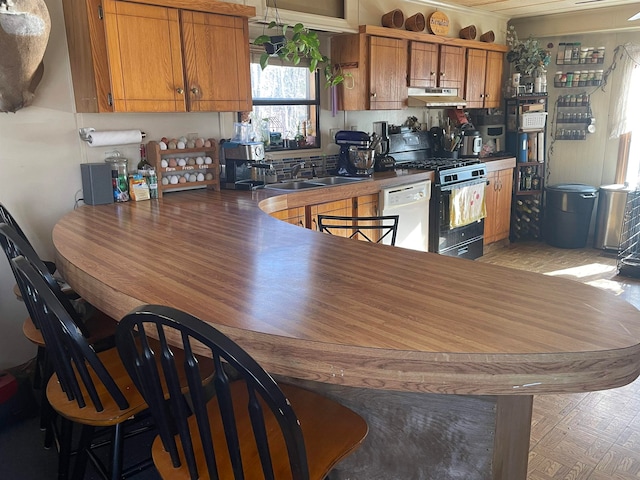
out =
column 583, row 65
column 573, row 117
column 203, row 163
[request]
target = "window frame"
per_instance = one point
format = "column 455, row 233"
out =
column 313, row 102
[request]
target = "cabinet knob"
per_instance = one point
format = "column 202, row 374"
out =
column 374, row 95
column 180, row 90
column 195, row 90
column 486, row 95
column 481, row 95
column 442, row 74
column 433, row 74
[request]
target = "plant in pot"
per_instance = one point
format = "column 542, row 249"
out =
column 293, row 44
column 529, row 58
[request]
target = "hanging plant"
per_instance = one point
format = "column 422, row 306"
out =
column 527, row 57
column 293, row 44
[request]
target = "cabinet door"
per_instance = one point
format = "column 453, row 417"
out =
column 339, row 208
column 475, row 78
column 423, row 64
column 367, row 206
column 490, row 196
column 493, row 80
column 295, row 216
column 503, row 204
column 145, row 57
column 498, row 201
column 216, row 51
column 451, row 67
column 387, row 73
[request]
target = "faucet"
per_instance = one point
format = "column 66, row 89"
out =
column 313, row 171
column 295, row 170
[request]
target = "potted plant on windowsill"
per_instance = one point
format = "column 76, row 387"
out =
column 293, row 44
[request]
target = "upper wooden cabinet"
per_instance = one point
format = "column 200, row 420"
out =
column 139, row 57
column 377, row 68
column 382, row 62
column 484, row 78
column 433, row 65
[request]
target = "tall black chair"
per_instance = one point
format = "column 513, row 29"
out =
column 378, row 229
column 88, row 388
column 98, row 327
column 249, row 427
column 6, row 217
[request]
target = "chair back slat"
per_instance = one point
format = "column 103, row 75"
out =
column 6, row 217
column 377, row 229
column 14, row 244
column 71, row 354
column 193, row 335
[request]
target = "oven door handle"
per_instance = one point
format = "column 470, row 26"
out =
column 449, row 188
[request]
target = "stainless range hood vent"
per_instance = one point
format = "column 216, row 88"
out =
column 435, row 98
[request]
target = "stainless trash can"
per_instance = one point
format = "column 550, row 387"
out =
column 610, row 214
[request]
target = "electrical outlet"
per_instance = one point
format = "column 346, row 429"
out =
column 332, row 134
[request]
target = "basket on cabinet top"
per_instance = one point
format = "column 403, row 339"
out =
column 530, row 121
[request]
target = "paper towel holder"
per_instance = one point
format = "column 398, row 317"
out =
column 84, row 133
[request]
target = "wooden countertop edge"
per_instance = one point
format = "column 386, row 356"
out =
column 390, row 369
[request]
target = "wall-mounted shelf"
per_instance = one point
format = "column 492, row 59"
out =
column 573, row 116
column 574, row 54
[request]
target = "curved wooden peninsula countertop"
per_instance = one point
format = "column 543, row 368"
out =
column 352, row 314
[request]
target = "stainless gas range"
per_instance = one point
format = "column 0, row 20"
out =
column 456, row 226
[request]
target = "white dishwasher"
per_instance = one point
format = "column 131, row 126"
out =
column 411, row 203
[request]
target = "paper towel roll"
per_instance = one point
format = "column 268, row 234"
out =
column 114, row 137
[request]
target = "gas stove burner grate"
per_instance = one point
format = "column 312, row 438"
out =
column 438, row 164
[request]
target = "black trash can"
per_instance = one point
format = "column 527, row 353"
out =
column 568, row 214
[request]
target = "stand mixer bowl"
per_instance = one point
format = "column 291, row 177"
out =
column 362, row 159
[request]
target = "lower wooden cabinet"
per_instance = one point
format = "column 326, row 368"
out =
column 498, row 202
column 339, row 207
column 307, row 216
column 294, row 216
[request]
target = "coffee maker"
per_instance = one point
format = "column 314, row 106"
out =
column 237, row 161
column 349, row 140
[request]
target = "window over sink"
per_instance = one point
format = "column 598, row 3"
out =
column 286, row 105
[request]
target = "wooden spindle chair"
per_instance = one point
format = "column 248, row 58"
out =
column 87, row 387
column 250, row 428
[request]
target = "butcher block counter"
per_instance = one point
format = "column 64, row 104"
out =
column 442, row 356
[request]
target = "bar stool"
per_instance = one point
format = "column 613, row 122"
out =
column 377, row 229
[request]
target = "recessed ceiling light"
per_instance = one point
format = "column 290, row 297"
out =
column 635, row 17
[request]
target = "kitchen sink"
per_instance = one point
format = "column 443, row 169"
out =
column 314, row 183
column 337, row 180
column 293, row 185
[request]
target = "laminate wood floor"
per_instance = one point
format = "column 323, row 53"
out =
column 595, row 435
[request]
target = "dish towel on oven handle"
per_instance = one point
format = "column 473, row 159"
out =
column 466, row 205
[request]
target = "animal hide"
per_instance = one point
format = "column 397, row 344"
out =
column 24, row 32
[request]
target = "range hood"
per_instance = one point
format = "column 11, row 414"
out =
column 435, row 98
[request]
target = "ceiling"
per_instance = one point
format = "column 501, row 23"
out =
column 529, row 8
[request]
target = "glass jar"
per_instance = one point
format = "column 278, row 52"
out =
column 119, row 178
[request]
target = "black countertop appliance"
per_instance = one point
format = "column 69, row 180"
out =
column 351, row 139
